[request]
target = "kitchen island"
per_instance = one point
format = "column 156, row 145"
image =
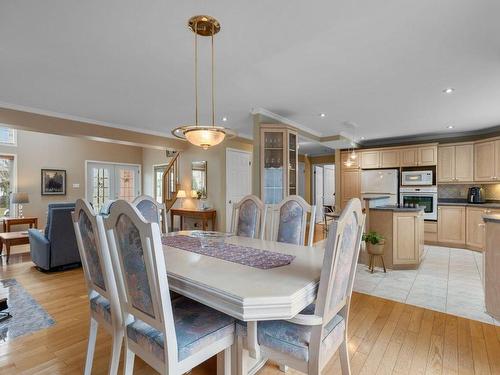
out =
column 492, row 265
column 403, row 230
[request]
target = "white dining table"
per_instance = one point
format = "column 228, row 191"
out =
column 247, row 293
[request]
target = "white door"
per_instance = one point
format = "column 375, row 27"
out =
column 238, row 179
column 329, row 185
column 112, row 181
column 318, row 192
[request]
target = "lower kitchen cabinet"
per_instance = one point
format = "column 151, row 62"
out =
column 475, row 226
column 452, row 225
column 408, row 239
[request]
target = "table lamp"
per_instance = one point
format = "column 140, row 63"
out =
column 20, row 199
column 181, row 194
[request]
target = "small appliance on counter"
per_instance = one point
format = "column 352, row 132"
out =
column 476, row 195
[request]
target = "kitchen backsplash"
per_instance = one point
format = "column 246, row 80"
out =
column 492, row 191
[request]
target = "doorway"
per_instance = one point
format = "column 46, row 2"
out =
column 323, row 188
column 109, row 181
column 238, row 179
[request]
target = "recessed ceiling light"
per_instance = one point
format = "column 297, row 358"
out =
column 448, row 90
column 322, row 115
column 362, row 138
column 224, row 119
column 450, row 127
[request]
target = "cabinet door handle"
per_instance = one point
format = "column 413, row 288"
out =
column 482, row 225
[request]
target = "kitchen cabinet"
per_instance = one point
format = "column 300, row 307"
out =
column 475, row 226
column 456, row 163
column 487, row 161
column 452, row 225
column 370, row 159
column 430, row 232
column 350, row 185
column 419, row 156
column 408, row 238
column 278, row 163
column 344, row 156
column 389, row 159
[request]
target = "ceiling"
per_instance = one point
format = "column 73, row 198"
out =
column 379, row 64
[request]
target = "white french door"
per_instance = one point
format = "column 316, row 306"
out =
column 238, row 179
column 106, row 181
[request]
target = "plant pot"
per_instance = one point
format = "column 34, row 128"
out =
column 377, row 249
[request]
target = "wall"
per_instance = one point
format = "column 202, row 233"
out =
column 492, row 191
column 216, row 176
column 309, row 161
column 37, row 150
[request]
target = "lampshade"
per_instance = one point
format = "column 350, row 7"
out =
column 181, row 194
column 194, row 194
column 20, row 198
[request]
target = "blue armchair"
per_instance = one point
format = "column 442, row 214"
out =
column 56, row 247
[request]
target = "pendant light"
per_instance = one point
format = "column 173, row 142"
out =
column 204, row 136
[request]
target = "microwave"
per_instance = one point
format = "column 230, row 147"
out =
column 417, row 178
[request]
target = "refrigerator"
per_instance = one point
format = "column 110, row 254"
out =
column 378, row 182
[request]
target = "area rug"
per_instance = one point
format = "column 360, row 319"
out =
column 27, row 314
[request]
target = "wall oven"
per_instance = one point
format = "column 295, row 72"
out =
column 417, row 178
column 425, row 196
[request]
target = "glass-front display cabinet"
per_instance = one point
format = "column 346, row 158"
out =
column 278, row 161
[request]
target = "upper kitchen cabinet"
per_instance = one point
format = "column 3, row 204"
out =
column 279, row 160
column 344, row 156
column 456, row 163
column 370, row 159
column 487, row 161
column 419, row 156
column 389, row 159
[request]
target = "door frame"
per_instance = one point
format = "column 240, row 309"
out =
column 250, row 153
column 112, row 163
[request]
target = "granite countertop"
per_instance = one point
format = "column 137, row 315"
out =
column 398, row 208
column 375, row 197
column 463, row 202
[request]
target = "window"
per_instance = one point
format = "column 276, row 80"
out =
column 6, row 183
column 158, row 182
column 8, row 136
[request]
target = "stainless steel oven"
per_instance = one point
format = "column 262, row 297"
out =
column 424, row 196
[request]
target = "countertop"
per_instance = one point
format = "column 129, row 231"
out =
column 463, row 202
column 397, row 208
column 492, row 218
column 375, row 197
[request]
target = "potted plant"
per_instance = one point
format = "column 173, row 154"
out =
column 375, row 243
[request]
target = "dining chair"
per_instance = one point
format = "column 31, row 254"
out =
column 171, row 336
column 290, row 225
column 309, row 340
column 249, row 217
column 100, row 281
column 152, row 210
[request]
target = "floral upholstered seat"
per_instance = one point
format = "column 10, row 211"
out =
column 294, row 339
column 149, row 210
column 196, row 326
column 101, row 305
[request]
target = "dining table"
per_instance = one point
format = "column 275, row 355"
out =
column 243, row 290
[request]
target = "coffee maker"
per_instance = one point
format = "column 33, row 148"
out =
column 475, row 195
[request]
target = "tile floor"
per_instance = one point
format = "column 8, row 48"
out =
column 448, row 280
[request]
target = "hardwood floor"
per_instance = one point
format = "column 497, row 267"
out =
column 385, row 337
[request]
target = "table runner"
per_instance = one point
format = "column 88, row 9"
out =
column 248, row 256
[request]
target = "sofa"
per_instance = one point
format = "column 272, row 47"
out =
column 56, row 248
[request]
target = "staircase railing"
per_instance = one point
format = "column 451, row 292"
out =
column 171, row 181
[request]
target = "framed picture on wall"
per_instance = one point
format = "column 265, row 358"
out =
column 53, row 182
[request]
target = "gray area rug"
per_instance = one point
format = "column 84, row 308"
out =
column 27, row 315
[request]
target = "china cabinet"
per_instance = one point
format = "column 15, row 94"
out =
column 278, row 162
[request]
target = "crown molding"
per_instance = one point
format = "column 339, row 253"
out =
column 284, row 120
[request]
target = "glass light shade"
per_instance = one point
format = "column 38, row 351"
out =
column 181, row 194
column 353, row 155
column 205, row 137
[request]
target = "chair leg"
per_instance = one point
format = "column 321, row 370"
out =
column 224, row 362
column 128, row 367
column 91, row 346
column 283, row 368
column 383, row 263
column 344, row 357
column 115, row 352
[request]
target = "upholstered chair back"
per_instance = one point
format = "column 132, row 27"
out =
column 152, row 211
column 95, row 256
column 135, row 246
column 291, row 221
column 249, row 217
column 339, row 266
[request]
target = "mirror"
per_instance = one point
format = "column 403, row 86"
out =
column 199, row 179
